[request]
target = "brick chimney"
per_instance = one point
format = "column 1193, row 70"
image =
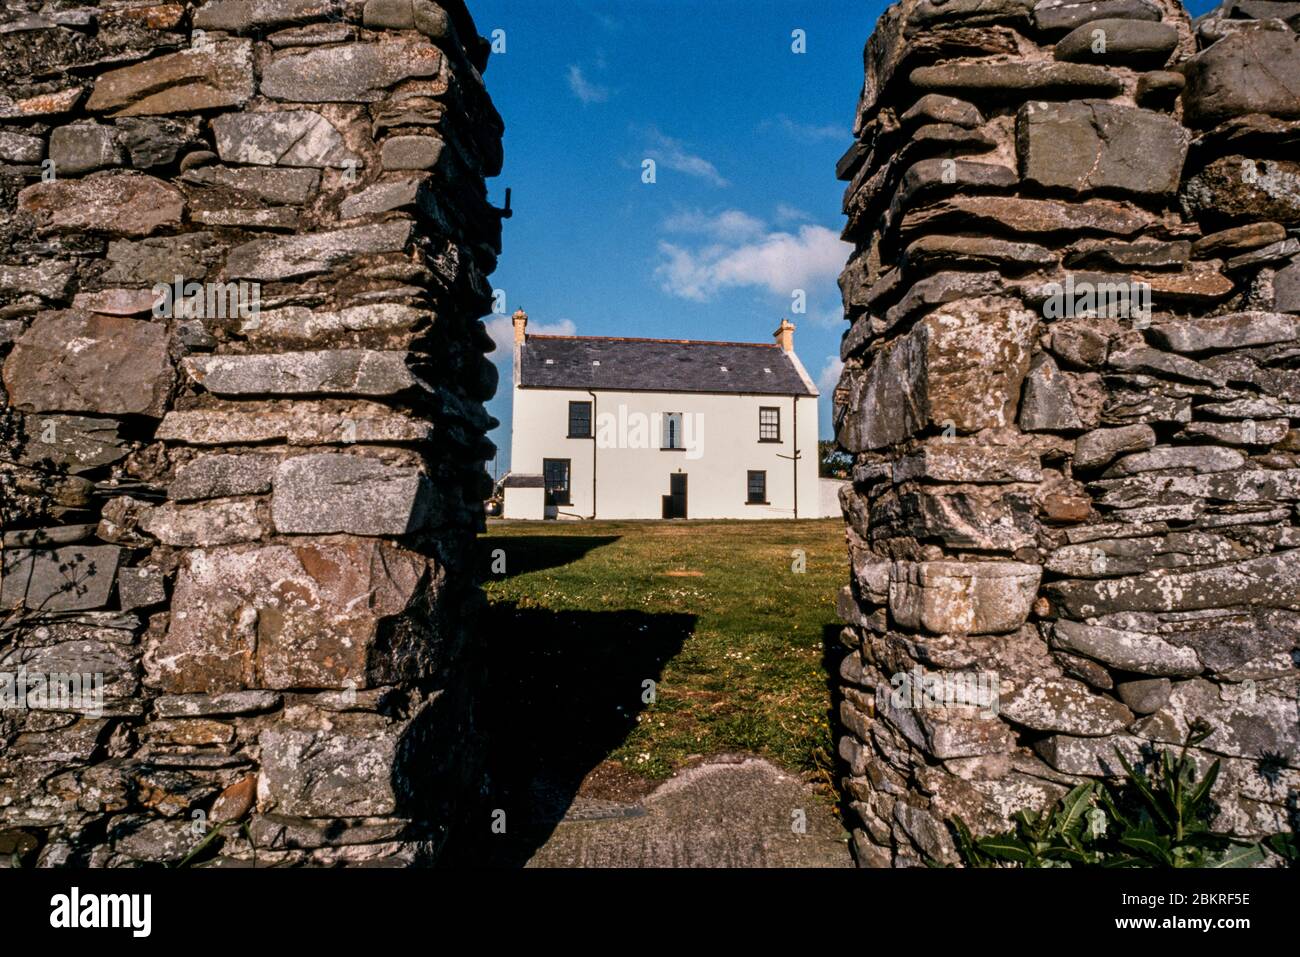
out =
column 520, row 319
column 784, row 335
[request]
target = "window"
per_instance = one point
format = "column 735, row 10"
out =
column 555, row 476
column 579, row 420
column 672, row 431
column 769, row 424
column 757, row 489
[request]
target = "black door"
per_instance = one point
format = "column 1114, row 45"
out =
column 675, row 500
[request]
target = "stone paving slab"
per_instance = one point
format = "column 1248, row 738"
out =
column 730, row 811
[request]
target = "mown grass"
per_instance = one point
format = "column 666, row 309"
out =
column 737, row 639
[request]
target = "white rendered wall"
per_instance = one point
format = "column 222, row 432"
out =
column 631, row 481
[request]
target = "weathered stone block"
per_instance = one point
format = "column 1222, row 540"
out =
column 1096, row 145
column 1231, row 331
column 229, row 703
column 306, row 423
column 1127, row 42
column 21, row 148
column 997, row 518
column 1094, row 757
column 236, row 16
column 338, row 372
column 1145, row 695
column 1272, row 581
column 141, row 586
column 69, row 443
column 1047, row 405
column 384, row 196
column 296, row 256
column 58, row 579
column 207, row 523
column 1021, row 79
column 200, row 78
column 959, row 459
column 962, row 598
column 1094, row 449
column 299, row 325
column 157, row 141
column 960, row 366
column 350, row 72
column 340, row 771
column 1236, row 188
column 277, row 617
column 335, row 492
column 1060, row 15
column 1248, row 723
column 1256, row 71
column 220, row 476
column 83, row 148
column 1065, row 706
column 282, row 138
column 125, row 203
column 411, row 152
column 80, row 362
column 151, row 261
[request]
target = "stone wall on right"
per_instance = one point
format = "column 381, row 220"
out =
column 1071, row 390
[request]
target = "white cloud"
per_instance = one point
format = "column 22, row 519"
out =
column 785, row 213
column 829, row 377
column 777, row 261
column 584, row 89
column 828, row 317
column 672, row 154
column 808, row 131
column 730, row 225
column 502, row 331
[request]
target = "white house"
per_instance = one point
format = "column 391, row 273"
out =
column 617, row 428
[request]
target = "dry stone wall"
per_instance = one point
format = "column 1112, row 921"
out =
column 242, row 433
column 1071, row 388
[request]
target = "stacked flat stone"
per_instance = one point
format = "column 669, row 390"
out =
column 256, row 525
column 1100, row 511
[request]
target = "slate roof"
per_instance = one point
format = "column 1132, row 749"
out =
column 659, row 365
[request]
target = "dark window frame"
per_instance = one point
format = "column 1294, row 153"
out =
column 749, row 487
column 766, row 425
column 580, row 435
column 680, row 447
column 550, row 490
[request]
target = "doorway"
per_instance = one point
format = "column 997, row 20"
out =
column 675, row 500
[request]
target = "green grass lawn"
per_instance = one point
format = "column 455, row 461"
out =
column 736, row 640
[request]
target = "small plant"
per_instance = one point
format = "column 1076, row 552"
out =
column 1159, row 818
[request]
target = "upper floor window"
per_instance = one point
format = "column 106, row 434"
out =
column 579, row 420
column 673, row 431
column 769, row 424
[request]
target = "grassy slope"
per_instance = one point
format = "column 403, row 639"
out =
column 738, row 642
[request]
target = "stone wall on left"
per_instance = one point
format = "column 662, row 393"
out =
column 243, row 252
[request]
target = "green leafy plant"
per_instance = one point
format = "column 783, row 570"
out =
column 1155, row 818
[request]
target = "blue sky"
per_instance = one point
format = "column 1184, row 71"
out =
column 744, row 133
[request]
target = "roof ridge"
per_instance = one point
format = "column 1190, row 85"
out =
column 697, row 342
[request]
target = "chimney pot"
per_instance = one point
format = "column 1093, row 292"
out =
column 520, row 320
column 784, row 335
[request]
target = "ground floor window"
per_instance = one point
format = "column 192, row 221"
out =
column 757, row 488
column 555, row 476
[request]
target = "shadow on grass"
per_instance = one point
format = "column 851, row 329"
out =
column 564, row 690
column 531, row 553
